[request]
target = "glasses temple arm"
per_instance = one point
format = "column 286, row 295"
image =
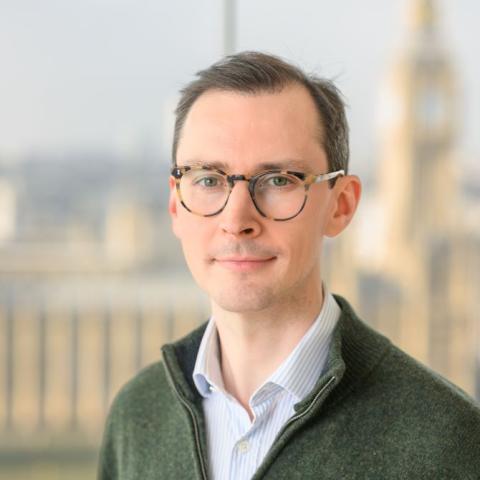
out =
column 329, row 176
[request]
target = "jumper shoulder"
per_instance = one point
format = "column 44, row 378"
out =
column 423, row 415
column 147, row 433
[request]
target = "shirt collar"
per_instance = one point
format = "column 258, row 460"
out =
column 207, row 374
column 297, row 374
column 300, row 371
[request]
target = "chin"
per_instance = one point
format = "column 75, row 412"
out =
column 243, row 300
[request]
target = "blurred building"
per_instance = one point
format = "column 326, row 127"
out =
column 90, row 288
column 418, row 268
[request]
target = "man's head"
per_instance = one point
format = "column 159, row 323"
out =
column 253, row 73
column 244, row 260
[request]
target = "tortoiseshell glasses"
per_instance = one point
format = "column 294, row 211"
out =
column 277, row 194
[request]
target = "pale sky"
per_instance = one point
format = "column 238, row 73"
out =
column 103, row 74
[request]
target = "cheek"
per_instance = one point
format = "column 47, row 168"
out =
column 190, row 239
column 194, row 258
column 304, row 245
column 186, row 224
column 194, row 239
column 310, row 248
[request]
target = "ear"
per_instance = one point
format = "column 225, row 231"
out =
column 347, row 191
column 172, row 206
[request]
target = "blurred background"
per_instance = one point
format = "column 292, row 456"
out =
column 92, row 282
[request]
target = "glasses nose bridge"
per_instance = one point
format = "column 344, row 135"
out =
column 232, row 179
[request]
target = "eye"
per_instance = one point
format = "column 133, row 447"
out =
column 276, row 181
column 207, row 181
column 279, row 181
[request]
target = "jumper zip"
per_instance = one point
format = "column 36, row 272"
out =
column 294, row 418
column 301, row 414
column 194, row 420
column 185, row 403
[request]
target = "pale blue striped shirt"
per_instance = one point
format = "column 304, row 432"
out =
column 237, row 445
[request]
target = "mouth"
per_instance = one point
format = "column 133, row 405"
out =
column 244, row 264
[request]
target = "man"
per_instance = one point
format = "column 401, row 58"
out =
column 284, row 381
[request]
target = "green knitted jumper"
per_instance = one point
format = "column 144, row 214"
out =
column 375, row 414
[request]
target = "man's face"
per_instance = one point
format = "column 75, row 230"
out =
column 243, row 261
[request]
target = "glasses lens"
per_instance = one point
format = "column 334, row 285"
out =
column 279, row 195
column 204, row 191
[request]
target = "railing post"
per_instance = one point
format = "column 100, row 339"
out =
column 42, row 364
column 107, row 353
column 74, row 368
column 9, row 357
column 138, row 348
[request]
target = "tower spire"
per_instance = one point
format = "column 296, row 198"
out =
column 423, row 15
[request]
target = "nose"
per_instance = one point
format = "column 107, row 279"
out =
column 240, row 217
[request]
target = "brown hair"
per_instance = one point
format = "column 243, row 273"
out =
column 255, row 72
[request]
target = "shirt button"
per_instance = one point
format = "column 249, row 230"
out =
column 243, row 446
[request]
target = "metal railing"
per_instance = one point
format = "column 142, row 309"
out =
column 66, row 350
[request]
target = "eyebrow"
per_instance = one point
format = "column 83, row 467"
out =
column 287, row 164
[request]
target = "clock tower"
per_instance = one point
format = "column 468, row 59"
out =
column 418, row 194
column 419, row 123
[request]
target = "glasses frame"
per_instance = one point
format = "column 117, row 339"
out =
column 306, row 178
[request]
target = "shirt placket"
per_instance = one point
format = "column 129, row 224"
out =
column 248, row 437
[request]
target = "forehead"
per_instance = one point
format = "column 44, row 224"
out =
column 242, row 131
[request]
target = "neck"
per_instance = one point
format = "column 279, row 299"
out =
column 254, row 344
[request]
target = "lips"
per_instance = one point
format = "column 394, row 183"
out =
column 243, row 259
column 244, row 264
